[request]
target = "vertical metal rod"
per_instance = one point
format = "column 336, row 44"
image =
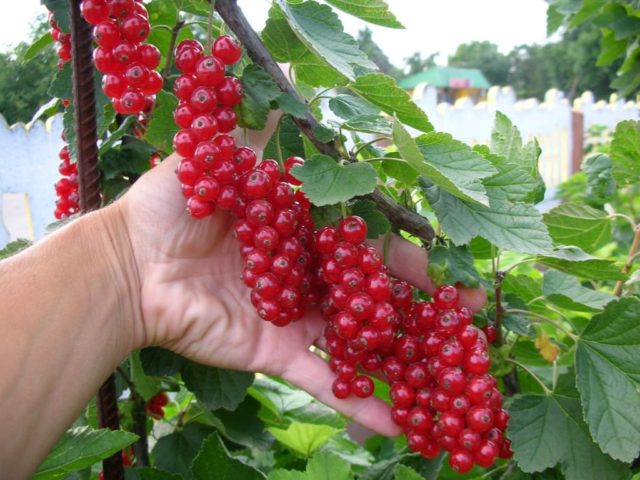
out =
column 85, row 124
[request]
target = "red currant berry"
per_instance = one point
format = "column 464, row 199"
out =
column 502, row 419
column 402, row 395
column 204, row 127
column 207, row 188
column 107, row 34
column 477, row 361
column 244, row 159
column 113, row 85
column 469, row 439
column 135, row 28
column 445, row 297
column 353, row 229
column 226, row 49
column 183, row 114
column 268, row 310
column 479, row 418
column 486, row 455
column 266, row 238
column 95, row 11
column 125, row 53
column 417, row 441
column 226, row 144
column 210, row 71
column 121, row 8
column 203, row 99
column 451, row 353
column 362, row 386
column 401, row 294
column 407, row 349
column 229, row 92
column 468, row 336
column 461, row 461
column 490, row 332
column 136, row 74
column 345, row 254
column 187, row 59
column 257, row 184
column 341, row 388
column 452, row 380
column 399, row 415
column 149, row 56
column 273, row 169
column 153, row 84
column 417, row 375
column 199, row 208
column 184, row 86
column 451, row 423
column 184, row 143
column 360, row 305
column 420, row 419
column 326, row 239
column 378, row 286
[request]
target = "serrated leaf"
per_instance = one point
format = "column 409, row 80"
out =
column 14, row 247
column 450, row 265
column 579, row 225
column 349, row 106
column 448, row 163
column 259, row 91
column 368, row 124
column 243, row 426
column 160, row 362
column 146, row 386
column 566, row 292
column 291, row 143
column 61, row 85
column 610, row 48
column 280, row 474
column 326, row 182
column 377, row 223
column 60, row 10
column 615, row 17
column 132, row 157
column 600, row 183
column 175, row 452
column 328, row 466
column 214, row 457
column 304, row 438
column 625, row 153
column 371, row 11
column 80, row 448
column 216, row 387
column 402, row 472
column 513, row 180
column 516, row 227
column 148, row 473
column 291, row 106
column 324, row 134
column 161, row 127
column 382, row 91
column 38, row 46
column 547, row 430
column 574, row 261
column 320, row 30
column 608, row 377
column 399, row 170
column 555, row 19
column 523, row 286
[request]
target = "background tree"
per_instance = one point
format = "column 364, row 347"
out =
column 416, row 63
column 375, row 53
column 485, row 56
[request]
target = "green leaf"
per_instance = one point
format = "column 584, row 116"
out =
column 146, row 386
column 320, row 30
column 161, row 127
column 349, row 106
column 377, row 223
column 175, row 452
column 243, row 426
column 600, row 183
column 259, row 91
column 214, row 457
column 324, row 134
column 371, row 11
column 450, row 265
column 61, row 85
column 328, row 466
column 160, row 362
column 368, row 124
column 610, row 48
column 80, row 448
column 574, row 261
column 382, row 91
column 60, row 9
column 291, row 143
column 625, row 153
column 289, row 105
column 14, row 247
column 280, row 474
column 616, row 18
column 401, row 171
column 448, row 163
column 132, row 157
column 547, row 430
column 523, row 286
column 512, row 226
column 402, row 472
column 579, row 225
column 148, row 473
column 555, row 20
column 38, row 46
column 304, row 438
column 608, row 377
column 326, row 182
column 122, row 130
column 566, row 292
column 216, row 387
column 513, row 180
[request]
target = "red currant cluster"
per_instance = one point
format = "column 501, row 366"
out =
column 120, row 29
column 63, row 39
column 212, row 163
column 434, row 359
column 155, row 406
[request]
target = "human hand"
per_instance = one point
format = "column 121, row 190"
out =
column 193, row 301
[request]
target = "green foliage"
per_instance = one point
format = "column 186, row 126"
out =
column 259, row 91
column 161, row 127
column 372, row 11
column 213, row 456
column 484, row 56
column 14, row 247
column 451, row 265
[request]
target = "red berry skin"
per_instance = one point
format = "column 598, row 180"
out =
column 154, row 83
column 187, row 59
column 369, row 261
column 495, row 435
column 121, row 8
column 244, row 234
column 451, row 353
column 149, row 56
column 289, row 297
column 113, row 85
column 203, row 99
column 445, row 297
column 268, row 310
column 268, row 286
column 204, row 127
column 188, row 172
column 266, row 238
column 132, row 102
column 393, row 369
column 461, row 461
column 95, row 11
column 478, row 390
column 107, row 34
column 490, row 332
column 452, row 380
column 226, row 49
column 417, row 375
column 352, row 280
column 401, row 294
column 273, row 169
column 340, row 388
column 451, row 423
column 346, row 371
column 198, row 208
column 135, row 28
column 505, row 449
column 431, row 450
column 285, row 222
column 407, row 349
column 184, row 86
column 189, row 44
column 289, row 163
column 290, row 247
column 229, row 92
column 460, row 404
column 479, row 418
column 257, row 261
column 402, row 395
column 353, row 229
column 345, row 254
column 468, row 336
column 209, row 71
column 417, row 441
column 369, row 338
column 136, row 74
column 399, row 415
column 447, row 322
column 469, row 439
column 184, row 143
column 224, row 173
column 501, row 419
column 477, row 361
column 256, row 184
column 420, row 419
column 383, row 316
column 227, row 119
column 362, row 386
column 360, row 305
column 486, row 455
column 104, row 61
column 244, row 159
column 281, row 265
column 440, row 400
column 183, row 114
column 207, row 188
column 226, row 145
column 378, row 286
column 259, row 213
column 125, row 52
column 372, row 362
column 326, row 239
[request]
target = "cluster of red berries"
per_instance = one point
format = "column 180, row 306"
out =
column 155, row 406
column 128, row 64
column 434, row 359
column 63, row 40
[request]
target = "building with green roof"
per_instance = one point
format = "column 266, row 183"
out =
column 451, row 82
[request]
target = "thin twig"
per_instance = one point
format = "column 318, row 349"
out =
column 237, row 22
column 172, row 45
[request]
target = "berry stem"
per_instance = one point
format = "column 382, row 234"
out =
column 175, row 31
column 279, row 157
column 375, row 140
column 633, row 254
column 212, row 9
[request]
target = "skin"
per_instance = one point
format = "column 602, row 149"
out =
column 137, row 273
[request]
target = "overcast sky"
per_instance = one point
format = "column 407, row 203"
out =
column 431, row 25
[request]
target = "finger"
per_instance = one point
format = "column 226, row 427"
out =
column 410, row 262
column 312, row 374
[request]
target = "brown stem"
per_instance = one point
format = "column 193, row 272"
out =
column 633, row 251
column 237, row 22
column 172, row 45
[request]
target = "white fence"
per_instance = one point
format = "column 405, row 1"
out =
column 29, row 155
